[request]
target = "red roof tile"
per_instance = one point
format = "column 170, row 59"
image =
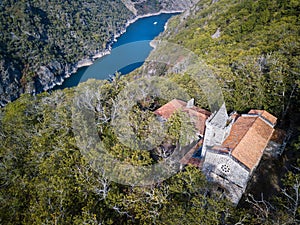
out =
column 196, row 162
column 248, row 138
column 171, row 107
column 264, row 114
column 197, row 115
column 238, row 131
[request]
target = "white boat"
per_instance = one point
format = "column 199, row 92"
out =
column 155, row 23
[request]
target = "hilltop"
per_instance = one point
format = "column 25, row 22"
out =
column 51, row 173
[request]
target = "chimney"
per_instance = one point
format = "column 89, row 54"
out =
column 190, row 103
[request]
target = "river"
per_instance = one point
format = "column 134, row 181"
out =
column 133, row 46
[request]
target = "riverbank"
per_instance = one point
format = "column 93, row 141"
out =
column 88, row 61
column 123, row 30
column 123, row 57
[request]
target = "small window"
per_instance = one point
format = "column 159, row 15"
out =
column 225, row 168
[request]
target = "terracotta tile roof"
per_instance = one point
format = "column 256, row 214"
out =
column 251, row 148
column 238, row 131
column 196, row 162
column 248, row 138
column 265, row 115
column 197, row 115
column 171, row 107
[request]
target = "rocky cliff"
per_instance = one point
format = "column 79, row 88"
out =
column 10, row 84
column 140, row 7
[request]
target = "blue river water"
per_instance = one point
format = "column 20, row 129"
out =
column 127, row 54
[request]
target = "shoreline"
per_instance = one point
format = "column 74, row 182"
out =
column 89, row 60
column 128, row 23
column 152, row 14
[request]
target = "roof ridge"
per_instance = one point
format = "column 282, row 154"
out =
column 236, row 142
column 252, row 129
column 266, row 121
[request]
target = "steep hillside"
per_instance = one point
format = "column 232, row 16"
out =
column 253, row 47
column 139, row 7
column 48, row 177
column 42, row 42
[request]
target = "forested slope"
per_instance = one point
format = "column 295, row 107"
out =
column 44, row 178
column 42, row 41
column 139, row 7
column 253, row 48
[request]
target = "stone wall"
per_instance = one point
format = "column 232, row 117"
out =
column 224, row 170
column 217, row 129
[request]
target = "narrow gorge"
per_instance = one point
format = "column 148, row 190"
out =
column 43, row 43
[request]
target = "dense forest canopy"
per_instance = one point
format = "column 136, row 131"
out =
column 43, row 39
column 44, row 178
column 41, row 42
column 252, row 46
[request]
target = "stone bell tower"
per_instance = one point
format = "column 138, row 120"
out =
column 217, row 129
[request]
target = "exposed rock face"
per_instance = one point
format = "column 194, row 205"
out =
column 130, row 5
column 10, row 85
column 177, row 4
column 217, row 34
column 49, row 76
column 148, row 6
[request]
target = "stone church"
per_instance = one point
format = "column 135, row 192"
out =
column 233, row 147
column 230, row 146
